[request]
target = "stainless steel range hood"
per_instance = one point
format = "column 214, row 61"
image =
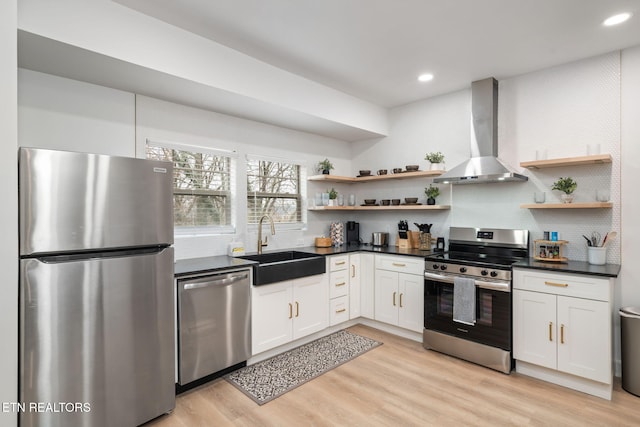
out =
column 484, row 165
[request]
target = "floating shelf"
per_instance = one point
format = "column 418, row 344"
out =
column 567, row 161
column 351, row 180
column 381, row 208
column 587, row 205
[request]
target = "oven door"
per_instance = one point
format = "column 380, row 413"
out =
column 493, row 311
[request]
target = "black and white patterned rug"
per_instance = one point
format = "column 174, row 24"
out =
column 266, row 380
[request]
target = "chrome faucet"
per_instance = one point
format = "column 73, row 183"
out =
column 273, row 231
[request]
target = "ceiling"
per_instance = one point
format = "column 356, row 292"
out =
column 375, row 49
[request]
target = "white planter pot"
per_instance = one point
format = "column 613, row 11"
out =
column 567, row 198
column 437, row 166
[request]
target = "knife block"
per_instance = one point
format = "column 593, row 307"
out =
column 410, row 242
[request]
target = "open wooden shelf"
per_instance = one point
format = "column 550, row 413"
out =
column 381, row 208
column 567, row 161
column 586, row 205
column 351, row 180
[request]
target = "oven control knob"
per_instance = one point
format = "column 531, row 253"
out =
column 435, row 266
column 484, row 272
column 443, row 267
column 463, row 269
column 494, row 274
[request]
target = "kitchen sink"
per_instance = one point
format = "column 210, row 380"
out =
column 274, row 267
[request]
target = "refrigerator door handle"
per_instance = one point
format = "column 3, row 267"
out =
column 216, row 282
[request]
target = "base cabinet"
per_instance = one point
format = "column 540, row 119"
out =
column 285, row 311
column 399, row 292
column 562, row 322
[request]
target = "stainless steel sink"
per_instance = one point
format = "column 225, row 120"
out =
column 274, row 267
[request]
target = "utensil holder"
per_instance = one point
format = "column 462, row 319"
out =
column 425, row 241
column 597, row 255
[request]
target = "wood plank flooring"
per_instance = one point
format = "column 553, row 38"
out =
column 402, row 384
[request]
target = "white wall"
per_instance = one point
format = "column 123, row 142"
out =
column 559, row 110
column 9, row 211
column 165, row 121
column 65, row 114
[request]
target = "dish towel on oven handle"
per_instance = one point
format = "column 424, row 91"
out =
column 464, row 300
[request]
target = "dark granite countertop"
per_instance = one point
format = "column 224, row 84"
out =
column 185, row 267
column 578, row 267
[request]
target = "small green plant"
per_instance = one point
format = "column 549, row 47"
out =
column 566, row 185
column 432, row 192
column 325, row 166
column 434, row 157
column 333, row 194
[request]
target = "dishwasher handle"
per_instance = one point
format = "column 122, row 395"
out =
column 211, row 281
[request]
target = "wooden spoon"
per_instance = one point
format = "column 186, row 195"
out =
column 609, row 237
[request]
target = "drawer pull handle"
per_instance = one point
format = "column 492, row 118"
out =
column 550, row 331
column 558, row 285
column 561, row 334
column 297, row 309
column 399, row 264
column 353, row 270
column 341, row 262
column 341, row 284
column 401, row 299
column 290, row 311
column 394, row 299
column 342, row 310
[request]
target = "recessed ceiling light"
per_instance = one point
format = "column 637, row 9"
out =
column 616, row 19
column 427, row 77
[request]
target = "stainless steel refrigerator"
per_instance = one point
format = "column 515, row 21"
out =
column 96, row 289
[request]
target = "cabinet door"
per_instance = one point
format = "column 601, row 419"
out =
column 354, row 286
column 584, row 342
column 534, row 328
column 271, row 315
column 310, row 305
column 386, row 296
column 367, row 289
column 411, row 302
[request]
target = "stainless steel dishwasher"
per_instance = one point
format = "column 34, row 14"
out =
column 214, row 323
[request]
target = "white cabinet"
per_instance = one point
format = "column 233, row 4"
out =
column 339, row 271
column 399, row 291
column 354, row 286
column 285, row 311
column 562, row 329
column 366, row 285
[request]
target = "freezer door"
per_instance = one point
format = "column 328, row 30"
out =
column 71, row 202
column 98, row 334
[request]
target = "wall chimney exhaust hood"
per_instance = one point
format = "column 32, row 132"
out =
column 484, row 165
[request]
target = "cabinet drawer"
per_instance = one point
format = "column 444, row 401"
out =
column 572, row 285
column 338, row 262
column 338, row 283
column 339, row 310
column 401, row 264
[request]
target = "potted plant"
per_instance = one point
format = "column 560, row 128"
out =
column 325, row 166
column 333, row 195
column 431, row 192
column 567, row 186
column 436, row 159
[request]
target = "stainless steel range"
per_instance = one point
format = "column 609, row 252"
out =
column 473, row 322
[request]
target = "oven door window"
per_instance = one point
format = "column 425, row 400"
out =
column 493, row 314
column 484, row 304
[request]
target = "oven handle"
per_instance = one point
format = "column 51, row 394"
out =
column 494, row 286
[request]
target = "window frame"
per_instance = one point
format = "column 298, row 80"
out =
column 230, row 194
column 300, row 196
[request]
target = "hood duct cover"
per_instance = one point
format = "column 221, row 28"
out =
column 484, row 165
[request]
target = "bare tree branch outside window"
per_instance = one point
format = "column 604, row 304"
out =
column 273, row 188
column 202, row 186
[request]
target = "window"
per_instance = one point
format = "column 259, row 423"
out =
column 202, row 197
column 274, row 188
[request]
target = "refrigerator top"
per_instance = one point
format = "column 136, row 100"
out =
column 76, row 202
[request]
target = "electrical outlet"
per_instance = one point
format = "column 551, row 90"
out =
column 300, row 242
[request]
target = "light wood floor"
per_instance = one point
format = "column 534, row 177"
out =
column 401, row 384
